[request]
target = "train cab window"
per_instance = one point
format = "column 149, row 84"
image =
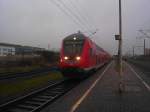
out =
column 73, row 47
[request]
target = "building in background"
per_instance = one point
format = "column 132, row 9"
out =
column 27, row 50
column 13, row 49
column 7, row 49
column 147, row 51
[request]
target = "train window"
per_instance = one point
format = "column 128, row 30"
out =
column 90, row 52
column 100, row 59
column 96, row 59
column 73, row 47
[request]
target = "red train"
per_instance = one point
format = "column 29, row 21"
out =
column 79, row 55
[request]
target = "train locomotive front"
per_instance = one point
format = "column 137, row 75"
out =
column 72, row 55
column 79, row 55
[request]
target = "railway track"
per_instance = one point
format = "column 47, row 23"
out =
column 37, row 100
column 25, row 74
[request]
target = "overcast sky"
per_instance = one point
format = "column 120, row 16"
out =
column 43, row 22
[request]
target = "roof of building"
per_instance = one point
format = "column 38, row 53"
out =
column 15, row 45
column 9, row 45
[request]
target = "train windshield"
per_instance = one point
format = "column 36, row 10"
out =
column 73, row 47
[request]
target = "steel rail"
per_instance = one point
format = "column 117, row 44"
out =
column 36, row 100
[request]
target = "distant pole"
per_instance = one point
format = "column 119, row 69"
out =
column 120, row 49
column 144, row 48
column 133, row 51
column 120, row 33
column 48, row 47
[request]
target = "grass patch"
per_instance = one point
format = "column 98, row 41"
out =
column 28, row 84
column 18, row 69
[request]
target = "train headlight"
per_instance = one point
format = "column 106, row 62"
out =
column 74, row 38
column 78, row 58
column 66, row 58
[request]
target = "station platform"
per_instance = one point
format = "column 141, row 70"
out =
column 100, row 93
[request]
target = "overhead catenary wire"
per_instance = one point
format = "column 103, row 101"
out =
column 82, row 15
column 67, row 13
column 76, row 17
column 85, row 13
column 73, row 13
column 144, row 33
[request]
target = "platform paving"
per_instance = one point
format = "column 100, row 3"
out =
column 101, row 94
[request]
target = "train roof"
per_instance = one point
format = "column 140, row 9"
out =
column 79, row 36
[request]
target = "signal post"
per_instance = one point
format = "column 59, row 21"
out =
column 119, row 59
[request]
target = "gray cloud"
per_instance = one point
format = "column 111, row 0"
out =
column 40, row 22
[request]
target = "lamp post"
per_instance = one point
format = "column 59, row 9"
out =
column 133, row 50
column 144, row 48
column 121, row 84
